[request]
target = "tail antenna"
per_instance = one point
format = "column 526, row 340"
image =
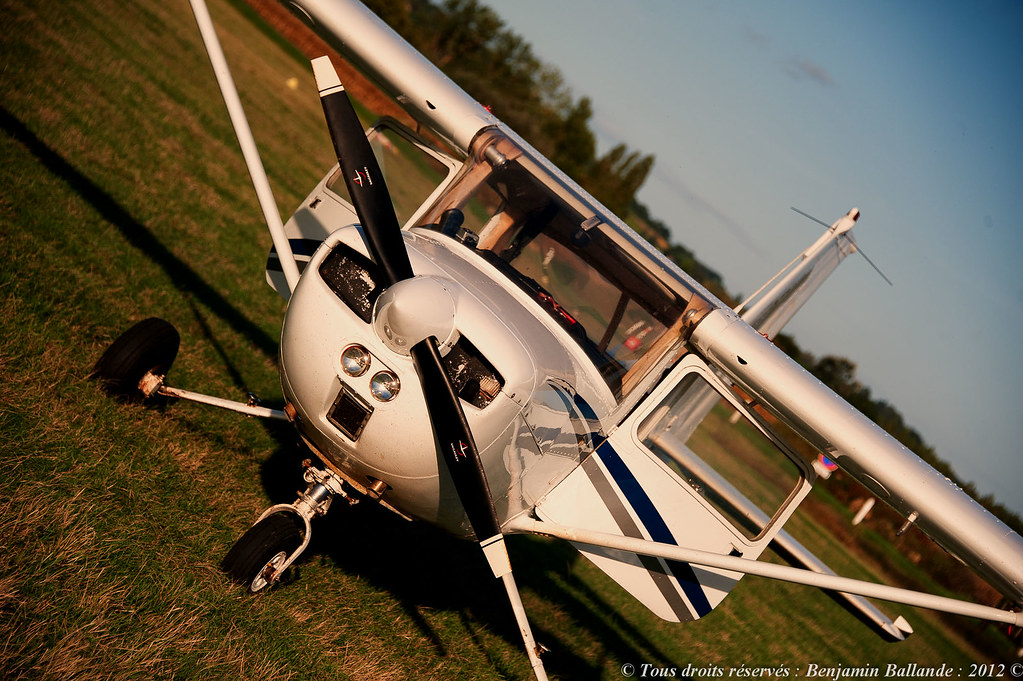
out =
column 858, row 248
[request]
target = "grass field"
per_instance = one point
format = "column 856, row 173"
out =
column 123, row 196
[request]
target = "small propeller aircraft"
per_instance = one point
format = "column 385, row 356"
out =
column 489, row 350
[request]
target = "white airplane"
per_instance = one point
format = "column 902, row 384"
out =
column 490, row 351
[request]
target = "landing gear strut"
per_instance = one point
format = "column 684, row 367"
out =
column 261, row 555
column 134, row 368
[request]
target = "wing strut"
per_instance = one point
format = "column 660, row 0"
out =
column 241, row 128
column 782, row 573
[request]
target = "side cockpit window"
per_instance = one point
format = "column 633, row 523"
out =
column 412, row 169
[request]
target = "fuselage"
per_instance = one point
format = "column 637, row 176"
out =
column 559, row 320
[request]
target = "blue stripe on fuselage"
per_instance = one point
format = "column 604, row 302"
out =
column 654, row 524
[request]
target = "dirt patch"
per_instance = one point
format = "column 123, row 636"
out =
column 311, row 45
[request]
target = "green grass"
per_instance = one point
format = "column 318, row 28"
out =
column 122, row 196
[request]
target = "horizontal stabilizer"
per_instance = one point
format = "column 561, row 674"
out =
column 777, row 301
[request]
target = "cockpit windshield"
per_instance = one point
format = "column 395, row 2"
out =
column 559, row 249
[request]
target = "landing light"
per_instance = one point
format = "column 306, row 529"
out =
column 384, row 385
column 355, row 360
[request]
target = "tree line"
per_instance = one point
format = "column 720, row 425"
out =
column 471, row 44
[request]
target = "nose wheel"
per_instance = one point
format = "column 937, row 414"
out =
column 258, row 557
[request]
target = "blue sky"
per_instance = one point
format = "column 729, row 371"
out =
column 911, row 111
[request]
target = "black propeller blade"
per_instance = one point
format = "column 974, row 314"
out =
column 372, row 202
column 362, row 176
column 452, row 431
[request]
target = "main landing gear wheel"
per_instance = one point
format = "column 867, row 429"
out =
column 259, row 552
column 148, row 347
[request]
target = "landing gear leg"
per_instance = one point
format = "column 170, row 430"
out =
column 259, row 558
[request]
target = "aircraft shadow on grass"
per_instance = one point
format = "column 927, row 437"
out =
column 454, row 577
column 184, row 278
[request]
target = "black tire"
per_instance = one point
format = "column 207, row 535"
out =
column 150, row 345
column 264, row 546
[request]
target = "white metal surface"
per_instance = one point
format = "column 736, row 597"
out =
column 248, row 145
column 413, row 310
column 397, row 445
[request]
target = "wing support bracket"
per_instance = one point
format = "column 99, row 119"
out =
column 785, row 573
